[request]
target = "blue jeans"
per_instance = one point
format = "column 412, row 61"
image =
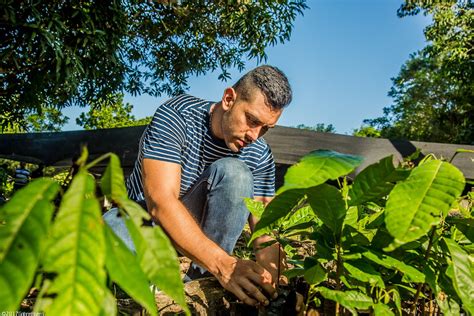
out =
column 215, row 202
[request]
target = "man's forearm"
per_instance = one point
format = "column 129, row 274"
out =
column 188, row 237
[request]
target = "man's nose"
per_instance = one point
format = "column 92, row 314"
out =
column 254, row 133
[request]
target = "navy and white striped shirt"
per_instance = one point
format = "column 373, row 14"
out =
column 179, row 133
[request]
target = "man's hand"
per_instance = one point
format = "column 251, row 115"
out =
column 246, row 279
column 272, row 258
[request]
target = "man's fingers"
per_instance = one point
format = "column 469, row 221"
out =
column 264, row 279
column 299, row 304
column 254, row 292
column 244, row 297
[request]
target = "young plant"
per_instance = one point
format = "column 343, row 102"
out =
column 73, row 251
column 384, row 239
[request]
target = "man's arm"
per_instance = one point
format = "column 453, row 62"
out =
column 161, row 181
column 269, row 257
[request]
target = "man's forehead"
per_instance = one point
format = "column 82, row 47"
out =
column 262, row 112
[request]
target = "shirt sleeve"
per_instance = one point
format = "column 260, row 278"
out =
column 264, row 175
column 165, row 136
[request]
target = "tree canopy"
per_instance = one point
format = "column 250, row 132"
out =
column 433, row 93
column 47, row 120
column 319, row 127
column 109, row 113
column 61, row 53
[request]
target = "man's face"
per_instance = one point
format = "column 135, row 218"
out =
column 245, row 121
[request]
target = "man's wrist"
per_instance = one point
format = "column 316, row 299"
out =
column 221, row 262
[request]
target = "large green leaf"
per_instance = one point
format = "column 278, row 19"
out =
column 317, row 167
column 279, row 207
column 158, row 260
column 24, row 223
column 328, row 205
column 112, row 182
column 463, row 272
column 364, row 272
column 375, row 181
column 14, row 213
column 348, row 299
column 76, row 253
column 124, row 269
column 410, row 274
column 416, row 204
column 156, row 254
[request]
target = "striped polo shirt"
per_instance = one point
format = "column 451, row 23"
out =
column 179, row 133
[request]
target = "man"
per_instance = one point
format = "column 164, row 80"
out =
column 197, row 161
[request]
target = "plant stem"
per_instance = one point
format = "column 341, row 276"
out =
column 427, row 256
column 431, row 304
column 96, row 161
column 279, row 265
column 338, row 273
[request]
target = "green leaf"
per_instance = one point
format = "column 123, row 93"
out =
column 463, row 272
column 410, row 274
column 113, row 182
column 295, row 272
column 14, row 213
column 124, row 269
column 465, row 225
column 134, row 210
column 348, row 299
column 158, row 259
column 328, row 205
column 397, row 299
column 301, row 218
column 76, row 252
column 156, row 254
column 416, row 204
column 364, row 272
column 381, row 309
column 317, row 167
column 109, row 305
column 24, row 224
column 352, row 215
column 315, row 274
column 375, row 181
column 447, row 305
column 256, row 208
column 279, row 207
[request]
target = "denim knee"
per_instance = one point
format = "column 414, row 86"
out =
column 234, row 173
column 117, row 224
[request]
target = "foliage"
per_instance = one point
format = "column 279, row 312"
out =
column 320, row 127
column 109, row 113
column 386, row 238
column 366, row 131
column 73, row 252
column 433, row 93
column 45, row 120
column 4, row 177
column 62, row 53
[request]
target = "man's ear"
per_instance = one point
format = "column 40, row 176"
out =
column 228, row 99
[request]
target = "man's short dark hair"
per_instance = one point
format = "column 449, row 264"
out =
column 271, row 81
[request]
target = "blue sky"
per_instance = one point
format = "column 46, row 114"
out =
column 339, row 60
